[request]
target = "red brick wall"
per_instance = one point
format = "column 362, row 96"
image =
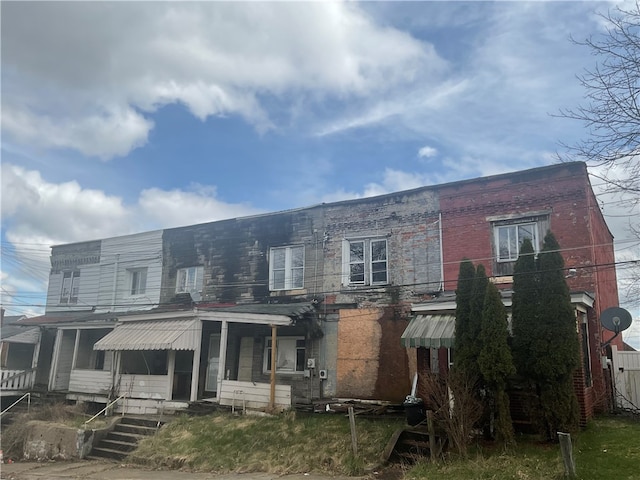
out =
column 576, row 222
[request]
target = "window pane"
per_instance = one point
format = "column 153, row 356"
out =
column 75, row 287
column 378, row 250
column 278, row 279
column 357, row 273
column 66, row 287
column 507, row 243
column 279, row 258
column 356, row 251
column 527, row 231
column 379, row 272
column 297, row 257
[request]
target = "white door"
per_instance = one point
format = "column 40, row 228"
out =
column 213, row 363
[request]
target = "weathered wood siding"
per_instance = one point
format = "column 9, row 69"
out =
column 90, row 381
column 255, row 395
column 153, row 387
column 119, row 256
column 87, row 292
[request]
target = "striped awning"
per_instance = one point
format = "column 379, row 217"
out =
column 430, row 331
column 182, row 334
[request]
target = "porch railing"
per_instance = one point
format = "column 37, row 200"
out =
column 106, row 409
column 26, row 395
column 17, row 379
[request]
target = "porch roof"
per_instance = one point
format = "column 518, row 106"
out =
column 17, row 334
column 180, row 334
column 430, row 331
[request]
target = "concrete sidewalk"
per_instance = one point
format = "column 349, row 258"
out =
column 97, row 470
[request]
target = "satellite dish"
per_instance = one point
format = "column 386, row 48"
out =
column 615, row 319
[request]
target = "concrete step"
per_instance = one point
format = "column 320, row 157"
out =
column 125, row 437
column 135, row 429
column 118, row 445
column 101, row 453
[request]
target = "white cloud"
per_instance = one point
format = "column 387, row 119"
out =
column 427, row 152
column 106, row 134
column 114, row 63
column 179, row 208
column 37, row 214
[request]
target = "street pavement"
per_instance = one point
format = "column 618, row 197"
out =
column 99, row 470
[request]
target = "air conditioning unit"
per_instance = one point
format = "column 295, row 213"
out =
column 322, row 374
column 311, row 363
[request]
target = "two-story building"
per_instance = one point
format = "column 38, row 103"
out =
column 348, row 292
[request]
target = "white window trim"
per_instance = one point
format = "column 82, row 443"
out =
column 293, row 344
column 74, row 284
column 288, row 268
column 516, row 224
column 193, row 279
column 141, row 288
column 368, row 263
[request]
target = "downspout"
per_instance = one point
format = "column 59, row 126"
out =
column 115, row 282
column 441, row 253
column 272, row 396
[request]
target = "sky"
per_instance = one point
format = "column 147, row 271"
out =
column 123, row 117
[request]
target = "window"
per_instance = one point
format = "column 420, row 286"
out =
column 510, row 237
column 138, row 281
column 70, row 287
column 290, row 355
column 365, row 262
column 144, row 362
column 509, row 233
column 286, row 268
column 189, row 280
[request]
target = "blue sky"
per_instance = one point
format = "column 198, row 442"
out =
column 131, row 116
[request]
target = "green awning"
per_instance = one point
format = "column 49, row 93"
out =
column 430, row 331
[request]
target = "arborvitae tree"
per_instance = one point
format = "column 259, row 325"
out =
column 465, row 361
column 524, row 320
column 474, row 323
column 495, row 361
column 555, row 352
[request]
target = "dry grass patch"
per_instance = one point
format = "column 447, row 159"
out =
column 286, row 443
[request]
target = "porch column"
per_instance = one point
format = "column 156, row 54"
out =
column 34, row 362
column 222, row 363
column 54, row 359
column 274, row 344
column 195, row 370
column 75, row 350
column 171, row 370
column 36, row 352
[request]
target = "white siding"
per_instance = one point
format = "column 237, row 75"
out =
column 90, row 381
column 87, row 293
column 53, row 292
column 153, row 387
column 255, row 395
column 123, row 254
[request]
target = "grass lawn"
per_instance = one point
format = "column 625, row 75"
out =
column 608, row 448
column 290, row 443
